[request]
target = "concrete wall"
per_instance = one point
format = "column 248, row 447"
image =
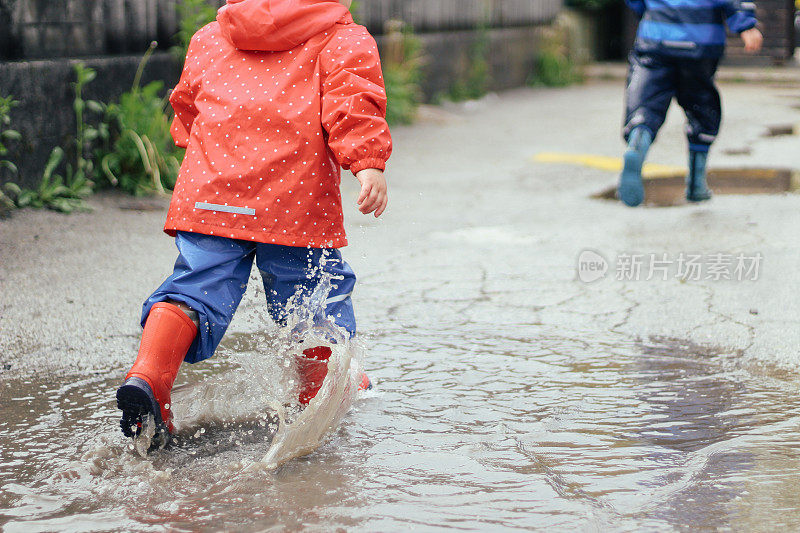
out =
column 41, row 39
column 45, row 116
column 511, row 54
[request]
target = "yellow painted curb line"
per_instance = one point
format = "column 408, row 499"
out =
column 609, row 164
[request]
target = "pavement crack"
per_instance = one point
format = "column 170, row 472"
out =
column 634, row 305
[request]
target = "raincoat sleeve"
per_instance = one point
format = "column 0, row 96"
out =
column 183, row 97
column 354, row 100
column 741, row 16
column 637, row 5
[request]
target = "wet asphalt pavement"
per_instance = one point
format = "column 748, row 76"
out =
column 510, row 394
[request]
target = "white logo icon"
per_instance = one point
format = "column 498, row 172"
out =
column 591, row 266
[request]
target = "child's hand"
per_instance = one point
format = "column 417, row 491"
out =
column 373, row 195
column 752, row 39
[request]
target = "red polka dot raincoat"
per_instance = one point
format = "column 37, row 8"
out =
column 275, row 97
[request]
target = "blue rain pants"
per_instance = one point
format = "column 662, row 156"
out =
column 653, row 81
column 211, row 275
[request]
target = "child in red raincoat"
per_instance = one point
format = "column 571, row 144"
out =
column 275, row 97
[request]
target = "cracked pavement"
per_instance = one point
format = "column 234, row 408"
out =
column 479, row 243
column 509, row 394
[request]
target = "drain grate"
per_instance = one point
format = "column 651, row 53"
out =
column 670, row 190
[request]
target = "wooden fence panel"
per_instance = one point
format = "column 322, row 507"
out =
column 36, row 29
column 450, row 15
column 40, row 28
column 116, row 38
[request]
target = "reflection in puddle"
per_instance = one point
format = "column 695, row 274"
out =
column 780, row 130
column 669, row 191
column 492, row 433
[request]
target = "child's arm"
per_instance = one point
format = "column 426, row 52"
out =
column 741, row 19
column 354, row 111
column 637, row 5
column 182, row 100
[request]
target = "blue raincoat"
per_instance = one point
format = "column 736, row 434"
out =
column 690, row 28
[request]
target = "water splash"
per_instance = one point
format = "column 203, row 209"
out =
column 143, row 441
column 308, row 324
column 264, row 386
column 324, row 412
column 237, row 419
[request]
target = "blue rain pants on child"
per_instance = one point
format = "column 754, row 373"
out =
column 211, row 276
column 653, row 81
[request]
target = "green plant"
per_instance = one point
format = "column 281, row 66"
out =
column 138, row 154
column 6, row 204
column 402, row 73
column 554, row 70
column 53, row 192
column 355, row 10
column 192, row 15
column 554, row 66
column 6, row 133
column 474, row 83
column 86, row 134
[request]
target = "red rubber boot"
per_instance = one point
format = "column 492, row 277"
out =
column 168, row 334
column 312, row 370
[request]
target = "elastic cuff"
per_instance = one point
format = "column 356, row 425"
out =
column 374, row 162
column 748, row 27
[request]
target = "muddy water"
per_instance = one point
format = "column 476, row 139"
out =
column 508, row 394
column 494, row 433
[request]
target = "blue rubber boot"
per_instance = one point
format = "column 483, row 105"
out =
column 696, row 186
column 631, row 189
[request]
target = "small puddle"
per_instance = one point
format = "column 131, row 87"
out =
column 738, row 151
column 780, row 130
column 668, row 191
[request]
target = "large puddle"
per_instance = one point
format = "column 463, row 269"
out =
column 497, row 432
column 508, row 394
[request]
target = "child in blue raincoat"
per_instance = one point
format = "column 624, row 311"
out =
column 678, row 47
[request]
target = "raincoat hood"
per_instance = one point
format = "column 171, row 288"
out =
column 277, row 25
